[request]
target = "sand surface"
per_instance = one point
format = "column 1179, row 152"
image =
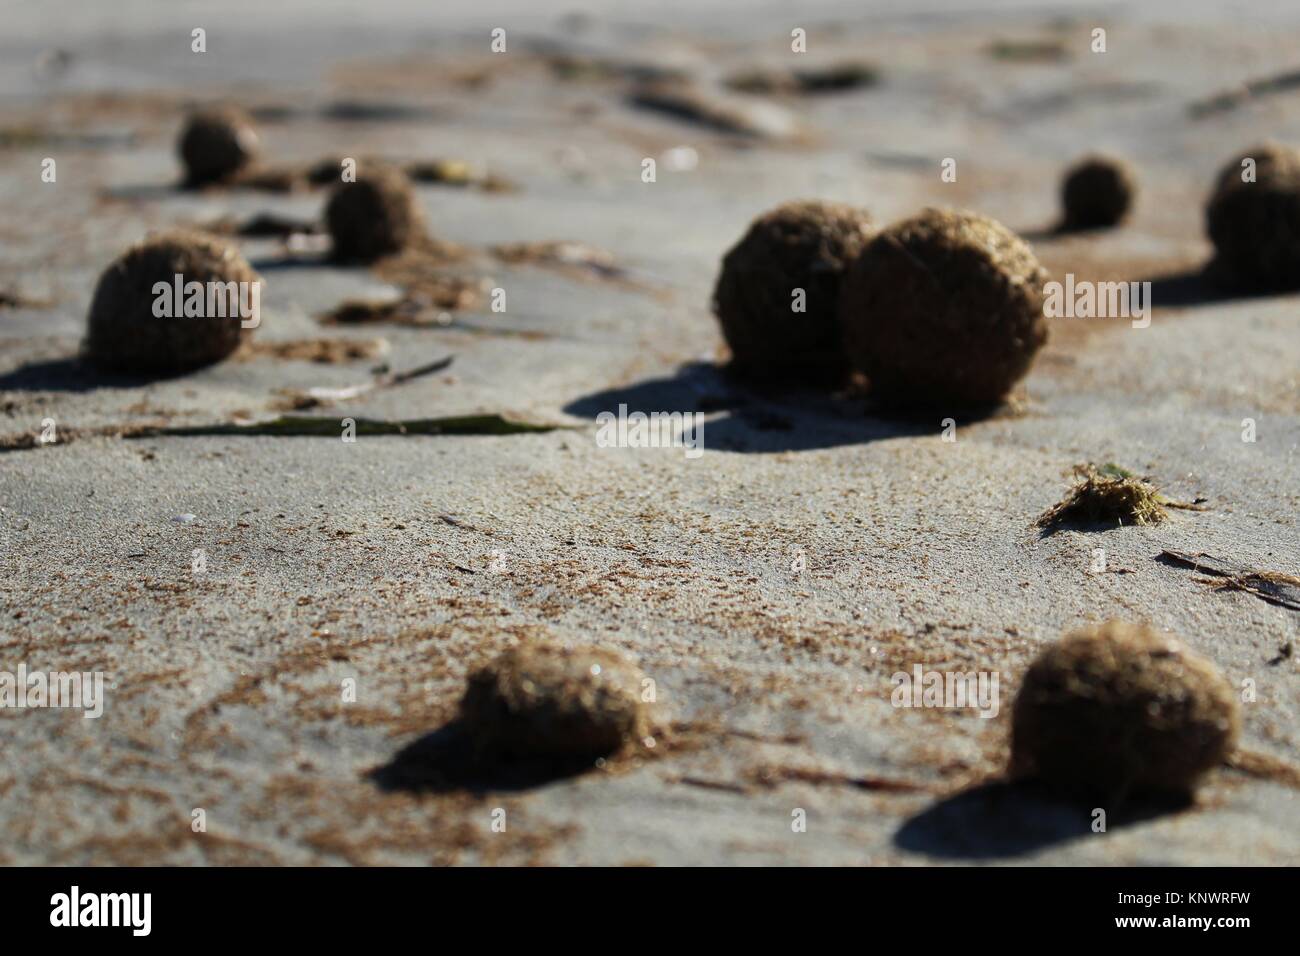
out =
column 770, row 587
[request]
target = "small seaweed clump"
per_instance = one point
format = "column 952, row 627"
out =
column 547, row 701
column 1107, row 495
column 1097, row 193
column 1254, row 221
column 125, row 332
column 777, row 295
column 216, row 144
column 376, row 215
column 1120, row 709
column 944, row 311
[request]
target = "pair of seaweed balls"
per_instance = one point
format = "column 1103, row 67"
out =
column 944, row 309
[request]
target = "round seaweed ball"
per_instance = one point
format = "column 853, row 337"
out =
column 216, row 144
column 1119, row 709
column 1098, row 192
column 796, row 246
column 944, row 311
column 1255, row 226
column 376, row 215
column 123, row 332
column 542, row 700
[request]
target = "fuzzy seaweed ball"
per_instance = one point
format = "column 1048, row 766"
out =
column 376, row 215
column 216, row 144
column 1255, row 226
column 542, row 700
column 1118, row 709
column 125, row 331
column 1097, row 193
column 944, row 311
column 775, row 332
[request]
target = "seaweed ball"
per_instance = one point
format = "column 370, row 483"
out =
column 376, row 215
column 138, row 323
column 1098, row 192
column 1119, row 708
column 944, row 311
column 1253, row 218
column 216, row 144
column 777, row 295
column 543, row 700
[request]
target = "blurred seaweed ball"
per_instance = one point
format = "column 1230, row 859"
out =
column 543, row 700
column 1096, row 193
column 376, row 215
column 777, row 295
column 216, row 144
column 1253, row 218
column 124, row 330
column 944, row 311
column 1119, row 709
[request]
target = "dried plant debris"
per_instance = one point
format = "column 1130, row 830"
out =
column 1048, row 50
column 1097, row 193
column 442, row 172
column 1263, row 766
column 29, row 135
column 216, row 144
column 320, row 351
column 943, row 311
column 1275, row 587
column 320, row 426
column 731, row 115
column 283, row 426
column 125, row 334
column 575, row 259
column 1242, row 94
column 798, row 248
column 835, row 78
column 1120, row 709
column 580, row 67
column 376, row 111
column 1254, row 222
column 264, row 225
column 1110, row 495
column 457, row 172
column 542, row 700
column 11, row 298
column 292, row 399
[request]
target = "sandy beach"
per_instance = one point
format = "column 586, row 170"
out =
column 285, row 623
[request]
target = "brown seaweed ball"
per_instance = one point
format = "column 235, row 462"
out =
column 216, row 144
column 542, row 700
column 128, row 331
column 777, row 295
column 376, row 215
column 1255, row 225
column 1097, row 193
column 1119, row 709
column 944, row 311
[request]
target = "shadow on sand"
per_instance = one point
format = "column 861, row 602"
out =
column 71, row 375
column 445, row 761
column 761, row 420
column 1006, row 819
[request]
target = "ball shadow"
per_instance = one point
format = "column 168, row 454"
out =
column 1008, row 819
column 446, row 761
column 758, row 419
column 74, row 375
